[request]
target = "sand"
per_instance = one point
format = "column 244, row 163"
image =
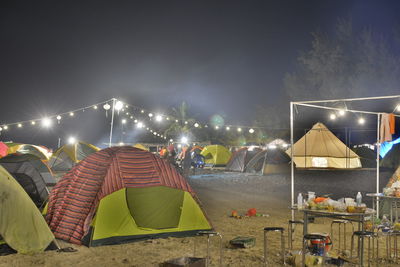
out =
column 219, row 193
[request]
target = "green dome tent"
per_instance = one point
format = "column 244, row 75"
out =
column 22, row 226
column 216, row 155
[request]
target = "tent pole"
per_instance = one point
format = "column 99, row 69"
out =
column 292, row 161
column 378, row 145
column 112, row 121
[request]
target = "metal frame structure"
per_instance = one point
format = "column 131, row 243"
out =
column 317, row 104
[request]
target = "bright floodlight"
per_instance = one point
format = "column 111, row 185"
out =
column 342, row 112
column 184, row 140
column 361, row 120
column 19, row 125
column 106, row 106
column 46, row 122
column 71, row 140
column 140, row 124
column 251, row 130
column 332, row 116
column 239, row 129
column 228, row 128
column 119, row 105
column 158, row 118
column 71, row 114
column 123, row 121
column 196, row 125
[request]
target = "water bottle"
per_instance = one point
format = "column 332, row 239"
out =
column 359, row 199
column 299, row 201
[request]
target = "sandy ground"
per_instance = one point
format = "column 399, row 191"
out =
column 220, row 193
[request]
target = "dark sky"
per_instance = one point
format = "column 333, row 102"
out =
column 221, row 57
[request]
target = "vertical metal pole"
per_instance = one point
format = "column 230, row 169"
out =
column 292, row 161
column 378, row 146
column 112, row 121
column 59, row 142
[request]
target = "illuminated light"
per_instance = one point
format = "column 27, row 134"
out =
column 142, row 111
column 186, row 122
column 216, row 127
column 239, row 129
column 19, row 125
column 71, row 114
column 251, row 130
column 285, row 145
column 179, row 145
column 46, row 122
column 5, row 127
column 342, row 112
column 165, row 137
column 176, row 120
column 150, row 130
column 167, row 118
column 123, row 121
column 158, row 118
column 94, row 107
column 33, row 122
column 272, row 146
column 140, row 124
column 126, row 106
column 228, row 128
column 332, row 116
column 106, row 106
column 155, row 133
column 206, row 126
column 131, row 117
column 71, row 140
column 127, row 114
column 150, row 115
column 184, row 140
column 1, row 129
column 58, row 117
column 121, row 143
column 398, row 108
column 158, row 134
column 196, row 125
column 171, row 140
column 135, row 121
column 361, row 121
column 119, row 105
column 123, row 109
column 162, row 136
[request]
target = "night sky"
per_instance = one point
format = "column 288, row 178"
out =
column 222, row 57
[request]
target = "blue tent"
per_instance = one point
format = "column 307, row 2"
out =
column 386, row 146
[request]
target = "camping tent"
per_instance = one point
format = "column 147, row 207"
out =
column 64, row 158
column 37, row 151
column 367, row 156
column 387, row 146
column 122, row 194
column 31, row 173
column 240, row 158
column 392, row 158
column 140, row 146
column 21, row 224
column 320, row 148
column 196, row 149
column 269, row 161
column 216, row 155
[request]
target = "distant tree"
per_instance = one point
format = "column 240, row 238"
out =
column 272, row 122
column 181, row 122
column 346, row 64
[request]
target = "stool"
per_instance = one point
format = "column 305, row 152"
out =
column 340, row 223
column 291, row 231
column 320, row 240
column 274, row 229
column 210, row 234
column 360, row 236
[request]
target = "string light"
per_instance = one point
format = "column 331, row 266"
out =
column 196, row 125
column 71, row 114
column 94, row 107
column 342, row 112
column 19, row 125
column 5, row 127
column 106, row 106
column 158, row 118
column 71, row 140
column 123, row 121
column 361, row 121
column 239, row 129
column 150, row 115
column 227, row 128
column 251, row 130
column 332, row 116
column 33, row 122
column 46, row 122
column 140, row 125
column 118, row 106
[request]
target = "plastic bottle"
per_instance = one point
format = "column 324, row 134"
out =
column 358, row 199
column 299, row 201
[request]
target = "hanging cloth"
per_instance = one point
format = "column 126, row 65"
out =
column 385, row 135
column 392, row 123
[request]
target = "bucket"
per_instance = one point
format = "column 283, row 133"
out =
column 320, row 247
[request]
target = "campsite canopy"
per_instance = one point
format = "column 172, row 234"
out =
column 122, row 194
column 31, row 173
column 64, row 158
column 216, row 155
column 320, row 148
column 392, row 158
column 269, row 161
column 367, row 156
column 37, row 151
column 240, row 158
column 21, row 224
column 140, row 146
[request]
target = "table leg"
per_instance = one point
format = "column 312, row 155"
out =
column 361, row 244
column 305, row 225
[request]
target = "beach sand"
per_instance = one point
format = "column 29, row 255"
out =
column 219, row 193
